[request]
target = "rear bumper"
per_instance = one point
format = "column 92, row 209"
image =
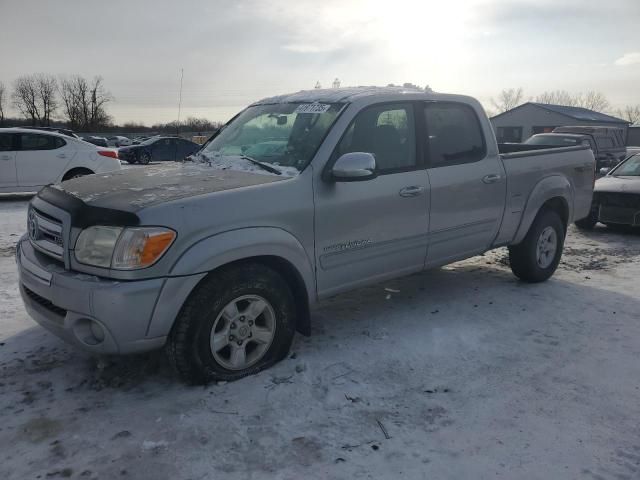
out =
column 98, row 315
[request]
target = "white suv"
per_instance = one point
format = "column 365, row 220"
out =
column 31, row 159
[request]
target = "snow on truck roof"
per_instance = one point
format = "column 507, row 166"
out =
column 336, row 95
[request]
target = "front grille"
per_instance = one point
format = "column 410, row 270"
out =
column 624, row 200
column 44, row 302
column 45, row 233
column 621, row 215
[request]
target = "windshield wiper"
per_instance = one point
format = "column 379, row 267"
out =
column 268, row 168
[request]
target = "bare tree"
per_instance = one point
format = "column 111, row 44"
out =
column 557, row 97
column 507, row 99
column 73, row 93
column 630, row 113
column 592, row 100
column 35, row 97
column 2, row 103
column 84, row 103
column 25, row 98
column 46, row 91
column 98, row 99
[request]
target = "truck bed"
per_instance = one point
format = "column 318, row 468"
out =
column 527, row 168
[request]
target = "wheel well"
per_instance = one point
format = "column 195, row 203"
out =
column 293, row 279
column 558, row 205
column 75, row 171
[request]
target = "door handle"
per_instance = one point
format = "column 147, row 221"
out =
column 6, row 157
column 493, row 178
column 412, row 191
column 61, row 155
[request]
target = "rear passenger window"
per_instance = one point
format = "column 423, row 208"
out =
column 6, row 142
column 386, row 131
column 34, row 141
column 454, row 135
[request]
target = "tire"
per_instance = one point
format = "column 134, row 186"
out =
column 144, row 158
column 208, row 312
column 76, row 173
column 527, row 262
column 589, row 221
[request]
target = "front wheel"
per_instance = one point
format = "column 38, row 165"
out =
column 144, row 158
column 237, row 322
column 536, row 258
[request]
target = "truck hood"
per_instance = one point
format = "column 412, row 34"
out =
column 135, row 188
column 618, row 184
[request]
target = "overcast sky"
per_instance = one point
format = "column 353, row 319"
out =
column 236, row 51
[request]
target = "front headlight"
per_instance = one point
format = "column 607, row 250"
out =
column 123, row 248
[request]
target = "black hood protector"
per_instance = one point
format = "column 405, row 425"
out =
column 130, row 190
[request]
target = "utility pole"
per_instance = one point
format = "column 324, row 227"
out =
column 180, row 101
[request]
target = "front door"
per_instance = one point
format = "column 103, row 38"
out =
column 468, row 185
column 8, row 176
column 42, row 159
column 374, row 229
column 164, row 150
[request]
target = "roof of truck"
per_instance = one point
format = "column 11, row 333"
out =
column 336, row 95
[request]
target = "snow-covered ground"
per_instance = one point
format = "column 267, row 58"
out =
column 457, row 373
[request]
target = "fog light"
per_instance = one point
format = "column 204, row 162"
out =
column 89, row 332
column 97, row 331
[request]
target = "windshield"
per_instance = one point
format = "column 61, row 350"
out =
column 629, row 168
column 284, row 135
column 552, row 140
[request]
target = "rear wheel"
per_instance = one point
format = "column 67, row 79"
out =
column 236, row 323
column 76, row 173
column 536, row 258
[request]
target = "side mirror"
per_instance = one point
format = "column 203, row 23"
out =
column 604, row 170
column 354, row 167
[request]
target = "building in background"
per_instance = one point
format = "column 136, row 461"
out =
column 633, row 136
column 519, row 123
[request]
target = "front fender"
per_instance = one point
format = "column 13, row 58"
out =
column 217, row 250
column 553, row 186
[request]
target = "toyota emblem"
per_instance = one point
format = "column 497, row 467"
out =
column 32, row 225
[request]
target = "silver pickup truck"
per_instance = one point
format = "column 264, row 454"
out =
column 299, row 197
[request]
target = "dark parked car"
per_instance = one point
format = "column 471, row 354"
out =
column 158, row 149
column 99, row 141
column 607, row 143
column 616, row 196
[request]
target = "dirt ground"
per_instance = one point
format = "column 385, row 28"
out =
column 461, row 372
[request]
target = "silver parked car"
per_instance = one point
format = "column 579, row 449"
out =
column 221, row 259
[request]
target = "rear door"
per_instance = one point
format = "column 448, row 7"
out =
column 8, row 147
column 374, row 229
column 42, row 158
column 468, row 186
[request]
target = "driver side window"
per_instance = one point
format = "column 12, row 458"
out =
column 386, row 131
